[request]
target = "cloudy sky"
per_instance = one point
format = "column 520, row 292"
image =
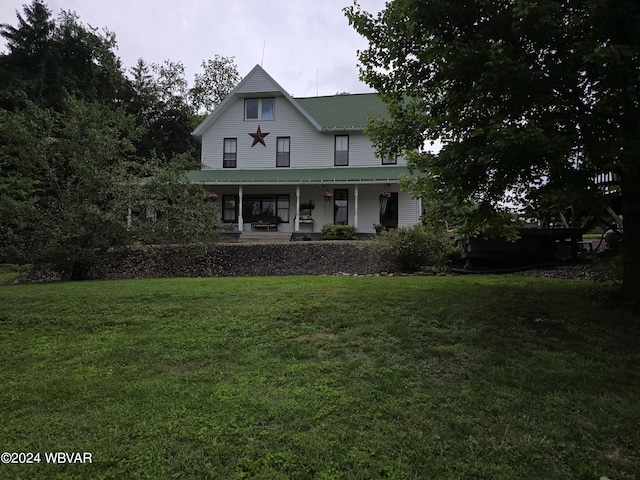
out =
column 296, row 41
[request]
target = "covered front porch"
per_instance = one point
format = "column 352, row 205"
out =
column 303, row 200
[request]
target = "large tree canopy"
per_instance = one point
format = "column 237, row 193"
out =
column 91, row 159
column 49, row 59
column 530, row 100
column 163, row 101
column 219, row 76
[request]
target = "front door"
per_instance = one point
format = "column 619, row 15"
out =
column 389, row 210
column 341, row 206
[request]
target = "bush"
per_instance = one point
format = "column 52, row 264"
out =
column 410, row 248
column 339, row 232
column 607, row 266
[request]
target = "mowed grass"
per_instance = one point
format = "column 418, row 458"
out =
column 321, row 377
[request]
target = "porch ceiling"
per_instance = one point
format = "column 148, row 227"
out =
column 386, row 174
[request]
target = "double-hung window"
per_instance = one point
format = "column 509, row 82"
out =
column 259, row 108
column 230, row 155
column 283, row 152
column 341, row 157
column 230, row 208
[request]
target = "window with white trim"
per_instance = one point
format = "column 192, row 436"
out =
column 230, row 154
column 283, row 151
column 259, row 108
column 341, row 157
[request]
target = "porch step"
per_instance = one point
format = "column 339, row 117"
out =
column 264, row 237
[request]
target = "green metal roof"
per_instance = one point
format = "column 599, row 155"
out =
column 343, row 111
column 381, row 174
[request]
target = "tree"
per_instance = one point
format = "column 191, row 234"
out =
column 172, row 87
column 168, row 209
column 85, row 63
column 144, row 91
column 72, row 185
column 529, row 99
column 159, row 101
column 210, row 87
column 164, row 103
column 49, row 59
column 73, row 161
column 33, row 32
column 28, row 44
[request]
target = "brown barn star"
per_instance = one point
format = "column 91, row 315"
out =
column 258, row 137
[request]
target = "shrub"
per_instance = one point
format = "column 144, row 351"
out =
column 607, row 266
column 410, row 248
column 339, row 232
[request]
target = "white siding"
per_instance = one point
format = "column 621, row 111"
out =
column 258, row 82
column 408, row 210
column 309, row 147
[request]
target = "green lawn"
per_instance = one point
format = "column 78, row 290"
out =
column 9, row 271
column 321, row 377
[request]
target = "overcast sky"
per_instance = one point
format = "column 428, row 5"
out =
column 296, row 41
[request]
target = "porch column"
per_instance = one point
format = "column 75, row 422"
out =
column 419, row 208
column 240, row 219
column 355, row 206
column 296, row 226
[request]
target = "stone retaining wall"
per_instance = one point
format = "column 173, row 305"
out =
column 226, row 260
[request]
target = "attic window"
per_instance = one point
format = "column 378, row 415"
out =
column 258, row 108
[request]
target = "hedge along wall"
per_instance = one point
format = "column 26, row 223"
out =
column 227, row 260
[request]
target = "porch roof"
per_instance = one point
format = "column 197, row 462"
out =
column 382, row 174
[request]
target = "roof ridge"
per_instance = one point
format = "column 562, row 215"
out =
column 337, row 95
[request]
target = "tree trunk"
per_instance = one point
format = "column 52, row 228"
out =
column 630, row 184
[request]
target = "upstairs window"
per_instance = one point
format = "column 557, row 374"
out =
column 341, row 157
column 230, row 154
column 282, row 152
column 390, row 159
column 258, row 108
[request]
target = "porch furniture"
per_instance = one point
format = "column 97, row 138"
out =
column 268, row 223
column 306, row 218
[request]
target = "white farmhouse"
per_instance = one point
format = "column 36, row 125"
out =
column 274, row 162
